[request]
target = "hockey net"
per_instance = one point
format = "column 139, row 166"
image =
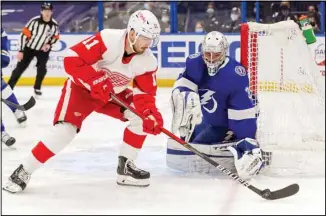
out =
column 290, row 93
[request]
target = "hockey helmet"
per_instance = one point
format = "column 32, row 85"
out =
column 144, row 23
column 214, row 51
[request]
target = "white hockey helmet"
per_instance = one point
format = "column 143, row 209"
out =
column 144, row 23
column 214, row 49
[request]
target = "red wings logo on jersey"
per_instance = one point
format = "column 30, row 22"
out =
column 117, row 78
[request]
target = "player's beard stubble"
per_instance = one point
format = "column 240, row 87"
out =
column 139, row 50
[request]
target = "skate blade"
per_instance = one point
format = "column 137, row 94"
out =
column 11, row 187
column 11, row 147
column 130, row 181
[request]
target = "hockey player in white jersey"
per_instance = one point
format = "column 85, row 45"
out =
column 211, row 104
column 105, row 63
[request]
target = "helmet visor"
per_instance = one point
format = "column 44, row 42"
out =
column 150, row 41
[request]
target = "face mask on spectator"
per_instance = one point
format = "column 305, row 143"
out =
column 146, row 6
column 165, row 19
column 199, row 29
column 234, row 17
column 285, row 10
column 210, row 11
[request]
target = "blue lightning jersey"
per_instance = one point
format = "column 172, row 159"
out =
column 226, row 101
column 5, row 57
column 6, row 91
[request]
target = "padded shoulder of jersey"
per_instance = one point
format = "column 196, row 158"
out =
column 145, row 62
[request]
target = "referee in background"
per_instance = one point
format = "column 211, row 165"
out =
column 37, row 38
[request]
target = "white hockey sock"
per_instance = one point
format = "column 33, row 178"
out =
column 55, row 140
column 128, row 151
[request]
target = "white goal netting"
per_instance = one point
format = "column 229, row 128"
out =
column 290, row 92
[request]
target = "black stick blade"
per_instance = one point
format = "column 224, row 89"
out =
column 29, row 104
column 282, row 193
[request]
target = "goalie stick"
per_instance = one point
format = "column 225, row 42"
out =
column 29, row 104
column 266, row 194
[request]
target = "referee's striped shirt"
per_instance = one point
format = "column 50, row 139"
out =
column 37, row 33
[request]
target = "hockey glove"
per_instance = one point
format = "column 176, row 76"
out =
column 153, row 122
column 101, row 86
column 247, row 158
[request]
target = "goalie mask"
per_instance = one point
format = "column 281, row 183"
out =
column 146, row 25
column 214, row 49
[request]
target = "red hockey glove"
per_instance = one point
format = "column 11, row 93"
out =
column 101, row 86
column 145, row 104
column 153, row 122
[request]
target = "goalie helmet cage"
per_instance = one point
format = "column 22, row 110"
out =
column 290, row 97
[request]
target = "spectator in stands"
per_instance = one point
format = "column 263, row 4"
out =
column 275, row 13
column 153, row 7
column 313, row 22
column 234, row 23
column 285, row 12
column 211, row 23
column 200, row 27
column 252, row 17
column 165, row 21
column 113, row 20
column 314, row 10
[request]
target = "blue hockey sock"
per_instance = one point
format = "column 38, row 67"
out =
column 2, row 127
column 7, row 93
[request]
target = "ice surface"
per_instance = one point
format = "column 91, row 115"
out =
column 81, row 179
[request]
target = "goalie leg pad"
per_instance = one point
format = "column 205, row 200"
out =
column 180, row 158
column 186, row 111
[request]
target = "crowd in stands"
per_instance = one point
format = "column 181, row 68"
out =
column 226, row 16
column 191, row 16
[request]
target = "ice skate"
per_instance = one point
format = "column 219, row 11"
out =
column 130, row 175
column 17, row 181
column 7, row 139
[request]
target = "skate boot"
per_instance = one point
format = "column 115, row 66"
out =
column 7, row 139
column 21, row 117
column 17, row 181
column 38, row 93
column 130, row 175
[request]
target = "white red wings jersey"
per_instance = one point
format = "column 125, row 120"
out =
column 105, row 51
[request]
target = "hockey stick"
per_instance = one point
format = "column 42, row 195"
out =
column 266, row 194
column 29, row 104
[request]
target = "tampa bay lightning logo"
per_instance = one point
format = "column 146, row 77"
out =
column 207, row 100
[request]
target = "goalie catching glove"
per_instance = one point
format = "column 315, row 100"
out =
column 186, row 113
column 248, row 159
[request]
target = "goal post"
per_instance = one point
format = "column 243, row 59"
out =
column 290, row 92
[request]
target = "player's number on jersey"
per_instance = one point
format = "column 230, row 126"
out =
column 90, row 42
